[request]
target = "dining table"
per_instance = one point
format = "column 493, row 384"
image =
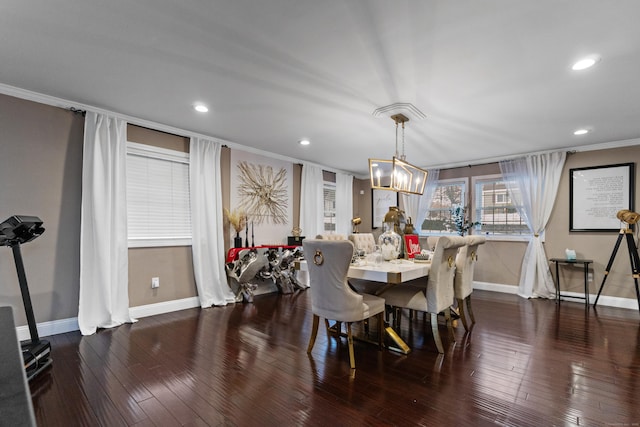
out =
column 388, row 273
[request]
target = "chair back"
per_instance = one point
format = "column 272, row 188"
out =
column 331, row 297
column 331, row 237
column 465, row 263
column 364, row 241
column 443, row 266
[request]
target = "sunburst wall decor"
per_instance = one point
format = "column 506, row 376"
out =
column 263, row 188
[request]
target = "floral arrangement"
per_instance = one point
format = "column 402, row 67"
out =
column 461, row 221
column 236, row 218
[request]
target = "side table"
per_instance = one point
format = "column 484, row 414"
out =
column 585, row 263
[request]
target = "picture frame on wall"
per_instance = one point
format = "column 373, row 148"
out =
column 381, row 201
column 597, row 193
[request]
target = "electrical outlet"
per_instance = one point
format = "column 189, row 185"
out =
column 155, row 282
column 590, row 277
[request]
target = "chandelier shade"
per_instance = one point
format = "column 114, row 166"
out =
column 397, row 174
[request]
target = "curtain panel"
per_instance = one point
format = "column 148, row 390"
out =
column 311, row 201
column 104, row 265
column 537, row 178
column 344, row 203
column 416, row 206
column 206, row 223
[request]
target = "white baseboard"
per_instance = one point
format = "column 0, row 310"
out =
column 53, row 327
column 163, row 307
column 617, row 302
column 62, row 326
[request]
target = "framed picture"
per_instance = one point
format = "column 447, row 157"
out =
column 381, row 201
column 596, row 194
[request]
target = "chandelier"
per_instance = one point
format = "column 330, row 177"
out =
column 397, row 174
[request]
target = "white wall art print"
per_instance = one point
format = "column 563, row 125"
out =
column 262, row 187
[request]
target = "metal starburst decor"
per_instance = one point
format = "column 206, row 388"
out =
column 263, row 193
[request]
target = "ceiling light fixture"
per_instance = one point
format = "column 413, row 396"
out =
column 201, row 108
column 304, row 142
column 585, row 63
column 397, row 174
column 581, row 132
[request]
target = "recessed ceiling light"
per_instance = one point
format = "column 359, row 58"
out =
column 586, row 62
column 581, row 132
column 304, row 142
column 201, row 108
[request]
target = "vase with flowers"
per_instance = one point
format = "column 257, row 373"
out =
column 238, row 220
column 460, row 220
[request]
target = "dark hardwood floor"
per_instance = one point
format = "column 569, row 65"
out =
column 526, row 363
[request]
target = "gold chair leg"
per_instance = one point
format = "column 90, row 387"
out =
column 352, row 359
column 314, row 332
column 463, row 316
column 473, row 319
column 447, row 317
column 436, row 334
column 380, row 329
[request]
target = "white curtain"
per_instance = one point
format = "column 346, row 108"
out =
column 311, row 201
column 344, row 203
column 532, row 182
column 104, row 265
column 416, row 206
column 207, row 241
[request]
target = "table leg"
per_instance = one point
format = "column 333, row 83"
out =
column 586, row 285
column 557, row 282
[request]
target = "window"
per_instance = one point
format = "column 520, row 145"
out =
column 158, row 204
column 495, row 209
column 329, row 196
column 448, row 194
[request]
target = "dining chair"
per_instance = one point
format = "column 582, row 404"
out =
column 437, row 296
column 367, row 243
column 331, row 237
column 331, row 297
column 463, row 281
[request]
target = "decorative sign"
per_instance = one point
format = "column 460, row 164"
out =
column 597, row 194
column 412, row 245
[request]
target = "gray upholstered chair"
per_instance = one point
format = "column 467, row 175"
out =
column 463, row 282
column 331, row 237
column 331, row 297
column 438, row 295
column 364, row 241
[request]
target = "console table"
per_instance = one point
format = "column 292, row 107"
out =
column 585, row 264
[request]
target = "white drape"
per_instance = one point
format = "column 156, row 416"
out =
column 537, row 178
column 416, row 206
column 311, row 201
column 344, row 203
column 207, row 241
column 104, row 265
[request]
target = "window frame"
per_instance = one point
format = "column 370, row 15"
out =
column 328, row 185
column 153, row 152
column 443, row 182
column 525, row 237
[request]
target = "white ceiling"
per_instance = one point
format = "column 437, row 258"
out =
column 493, row 77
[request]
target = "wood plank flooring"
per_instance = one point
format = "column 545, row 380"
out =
column 525, row 363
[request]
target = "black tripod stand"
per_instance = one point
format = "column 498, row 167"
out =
column 633, row 259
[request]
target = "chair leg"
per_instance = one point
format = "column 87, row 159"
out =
column 447, row 317
column 380, row 329
column 352, row 359
column 473, row 319
column 436, row 334
column 314, row 332
column 463, row 316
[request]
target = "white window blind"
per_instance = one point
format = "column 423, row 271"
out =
column 158, row 205
column 329, row 196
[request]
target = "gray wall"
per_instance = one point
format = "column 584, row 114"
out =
column 41, row 175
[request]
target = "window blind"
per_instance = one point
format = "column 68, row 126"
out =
column 158, row 204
